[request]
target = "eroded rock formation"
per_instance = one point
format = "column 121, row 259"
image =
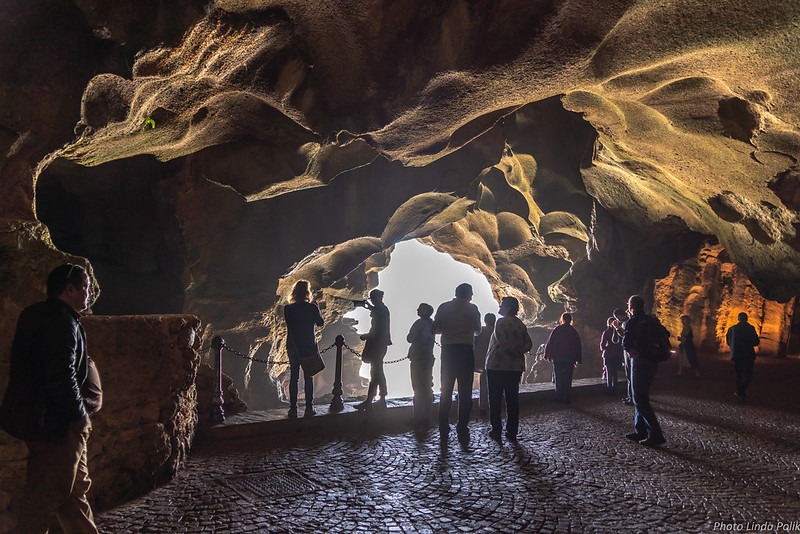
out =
column 144, row 432
column 573, row 152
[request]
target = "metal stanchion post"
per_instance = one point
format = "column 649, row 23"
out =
column 336, row 404
column 218, row 399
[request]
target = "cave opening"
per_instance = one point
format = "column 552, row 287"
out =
column 417, row 273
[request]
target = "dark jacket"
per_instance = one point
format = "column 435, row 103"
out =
column 49, row 366
column 564, row 344
column 634, row 338
column 742, row 339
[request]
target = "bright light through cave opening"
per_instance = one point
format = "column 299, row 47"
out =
column 418, row 273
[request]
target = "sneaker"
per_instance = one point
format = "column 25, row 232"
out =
column 627, row 400
column 309, row 412
column 739, row 396
column 292, row 413
column 635, row 436
column 495, row 435
column 380, row 404
column 653, row 441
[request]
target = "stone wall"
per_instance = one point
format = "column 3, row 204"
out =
column 712, row 291
column 144, row 432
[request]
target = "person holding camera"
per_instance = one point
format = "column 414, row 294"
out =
column 377, row 342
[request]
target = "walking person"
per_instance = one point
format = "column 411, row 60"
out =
column 743, row 339
column 301, row 316
column 458, row 321
column 505, row 362
column 481, row 348
column 420, row 353
column 611, row 347
column 563, row 348
column 377, row 342
column 687, row 354
column 53, row 390
column 636, row 340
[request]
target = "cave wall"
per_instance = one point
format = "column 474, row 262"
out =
column 712, row 291
column 203, row 157
column 144, row 432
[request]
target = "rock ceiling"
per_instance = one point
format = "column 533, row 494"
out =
column 205, row 157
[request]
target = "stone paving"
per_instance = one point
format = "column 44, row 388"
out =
column 726, row 467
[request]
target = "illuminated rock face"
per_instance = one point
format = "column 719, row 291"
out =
column 571, row 152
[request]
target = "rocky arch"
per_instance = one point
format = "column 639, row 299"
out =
column 571, row 152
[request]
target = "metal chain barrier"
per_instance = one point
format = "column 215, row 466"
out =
column 252, row 358
column 359, row 355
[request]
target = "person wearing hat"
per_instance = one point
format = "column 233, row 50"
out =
column 377, row 341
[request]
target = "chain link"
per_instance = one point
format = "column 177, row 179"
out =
column 252, row 358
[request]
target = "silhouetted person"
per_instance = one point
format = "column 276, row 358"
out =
column 505, row 362
column 611, row 345
column 619, row 319
column 743, row 339
column 458, row 321
column 377, row 342
column 420, row 353
column 301, row 316
column 53, row 389
column 638, row 343
column 480, row 348
column 563, row 348
column 687, row 354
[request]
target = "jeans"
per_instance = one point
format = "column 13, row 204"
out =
column 377, row 378
column 645, row 422
column 744, row 374
column 458, row 364
column 628, row 376
column 294, row 379
column 422, row 383
column 563, row 369
column 504, row 383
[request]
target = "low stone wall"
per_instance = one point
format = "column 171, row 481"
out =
column 148, row 366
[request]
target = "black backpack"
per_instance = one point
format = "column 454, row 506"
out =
column 658, row 340
column 655, row 344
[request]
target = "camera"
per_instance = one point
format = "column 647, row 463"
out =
column 360, row 303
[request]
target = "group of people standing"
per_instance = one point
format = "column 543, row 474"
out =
column 497, row 351
column 502, row 344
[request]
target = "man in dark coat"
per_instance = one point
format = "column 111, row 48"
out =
column 635, row 341
column 742, row 339
column 563, row 348
column 52, row 390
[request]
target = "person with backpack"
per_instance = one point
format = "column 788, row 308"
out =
column 643, row 339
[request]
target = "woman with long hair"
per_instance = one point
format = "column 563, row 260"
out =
column 301, row 316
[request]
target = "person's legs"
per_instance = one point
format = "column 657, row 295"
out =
column 76, row 514
column 483, row 392
column 56, row 483
column 381, row 376
column 448, row 379
column 563, row 373
column 308, row 389
column 629, row 377
column 511, row 391
column 294, row 379
column 466, row 369
column 645, row 420
column 495, row 397
column 426, row 381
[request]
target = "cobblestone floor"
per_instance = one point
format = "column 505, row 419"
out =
column 726, row 466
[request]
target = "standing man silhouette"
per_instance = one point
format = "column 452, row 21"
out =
column 458, row 321
column 743, row 339
column 377, row 342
